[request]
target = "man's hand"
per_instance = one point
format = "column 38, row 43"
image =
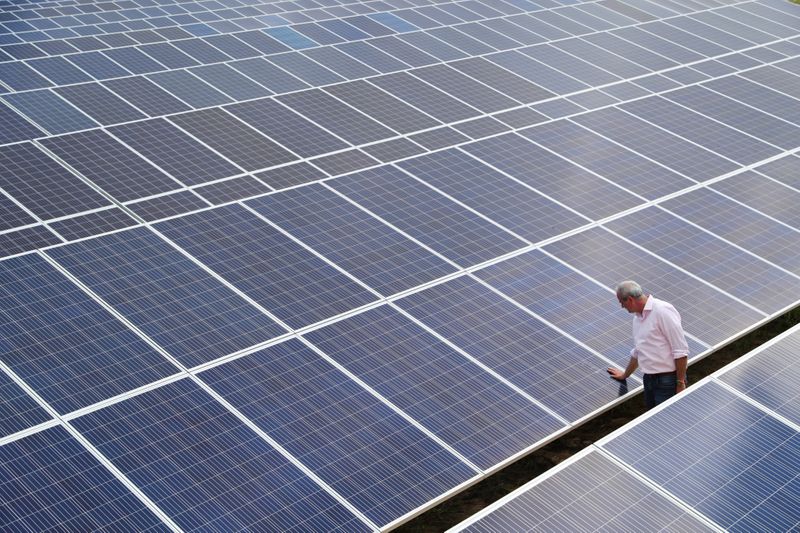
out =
column 680, row 387
column 616, row 373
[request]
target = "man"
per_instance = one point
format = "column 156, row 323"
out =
column 659, row 344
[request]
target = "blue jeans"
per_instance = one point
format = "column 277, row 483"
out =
column 658, row 388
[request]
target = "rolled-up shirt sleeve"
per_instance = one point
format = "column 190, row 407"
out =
column 670, row 324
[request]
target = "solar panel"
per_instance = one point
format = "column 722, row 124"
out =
column 490, row 193
column 556, row 178
column 450, row 188
column 40, row 184
column 380, row 257
column 196, row 460
column 565, row 377
column 110, row 165
column 426, row 215
column 404, row 362
column 299, row 287
column 69, row 349
column 724, row 459
column 57, row 483
column 370, row 454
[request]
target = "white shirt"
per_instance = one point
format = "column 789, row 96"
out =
column 658, row 337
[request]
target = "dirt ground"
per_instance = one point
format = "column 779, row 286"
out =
column 475, row 498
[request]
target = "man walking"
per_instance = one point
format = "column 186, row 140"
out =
column 659, row 344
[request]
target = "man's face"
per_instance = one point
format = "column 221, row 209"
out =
column 626, row 303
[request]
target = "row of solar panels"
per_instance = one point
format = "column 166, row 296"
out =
column 222, row 79
column 149, row 166
column 234, row 147
column 331, row 23
column 319, row 358
column 389, row 407
column 722, row 456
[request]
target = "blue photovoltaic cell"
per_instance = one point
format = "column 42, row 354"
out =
column 97, row 65
column 262, row 42
column 20, row 77
column 336, row 116
column 771, row 376
column 18, row 410
column 290, row 37
column 611, row 161
column 367, row 452
column 305, row 69
column 51, row 482
column 508, row 202
column 465, row 88
column 339, row 62
column 27, row 239
column 231, row 190
column 426, row 215
column 373, row 57
column 168, row 205
column 771, row 198
column 93, row 223
column 205, row 469
column 68, row 348
column 737, row 465
column 673, row 152
column 453, row 397
column 168, row 55
column 201, row 51
column 270, row 76
column 99, row 103
column 146, row 95
column 297, row 286
column 188, row 88
column 553, row 176
column 49, row 111
column 174, row 151
column 59, row 70
column 11, row 215
column 230, row 81
column 374, row 253
column 408, row 54
column 232, row 46
column 785, row 169
column 742, row 226
column 708, row 133
column 537, row 72
column 184, row 309
column 288, row 128
column 42, row 185
column 134, row 60
column 610, row 260
column 592, row 493
column 15, row 128
column 753, row 280
column 110, row 165
column 579, row 306
column 233, row 139
column 385, row 108
column 564, row 376
column 290, row 175
column 740, row 116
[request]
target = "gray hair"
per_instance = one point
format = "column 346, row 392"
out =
column 629, row 288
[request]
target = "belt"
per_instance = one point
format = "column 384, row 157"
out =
column 673, row 373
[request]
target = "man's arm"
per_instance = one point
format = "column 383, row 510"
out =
column 618, row 374
column 680, row 370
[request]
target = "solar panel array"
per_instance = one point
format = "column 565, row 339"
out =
column 722, row 456
column 318, row 264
